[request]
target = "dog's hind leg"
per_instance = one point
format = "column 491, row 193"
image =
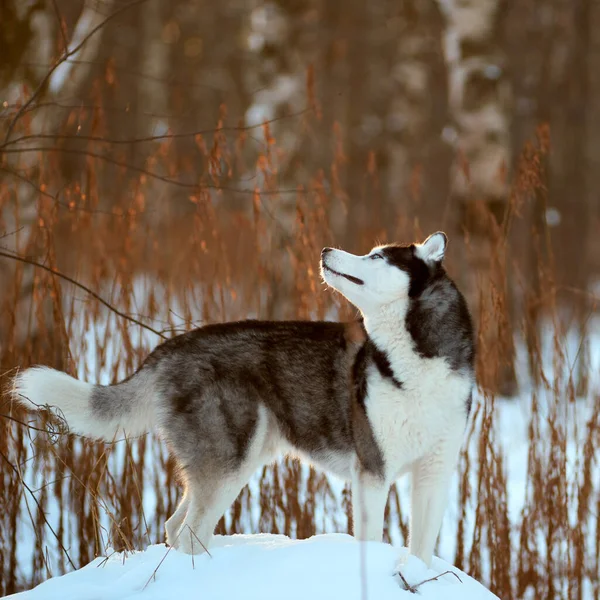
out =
column 210, row 498
column 174, row 523
column 214, row 485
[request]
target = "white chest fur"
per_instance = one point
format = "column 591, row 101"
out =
column 422, row 417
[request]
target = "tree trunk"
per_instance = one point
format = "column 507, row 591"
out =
column 410, row 96
column 479, row 98
column 280, row 35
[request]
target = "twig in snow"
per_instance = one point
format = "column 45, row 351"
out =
column 413, row 588
column 407, row 586
column 153, row 576
column 199, row 541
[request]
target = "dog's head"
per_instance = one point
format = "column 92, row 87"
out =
column 385, row 275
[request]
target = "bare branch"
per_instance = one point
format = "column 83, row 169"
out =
column 139, row 74
column 32, row 427
column 130, row 167
column 91, row 107
column 413, row 589
column 67, row 54
column 9, row 233
column 153, row 138
column 54, row 198
column 35, row 263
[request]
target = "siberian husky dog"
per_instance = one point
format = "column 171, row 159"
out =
column 368, row 400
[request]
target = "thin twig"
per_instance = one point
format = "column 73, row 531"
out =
column 169, row 550
column 414, row 588
column 35, row 263
column 152, row 138
column 153, row 576
column 136, row 481
column 39, row 507
column 199, row 541
column 66, row 205
column 106, row 558
column 5, row 416
column 407, row 586
column 49, row 483
column 67, row 54
column 5, row 235
column 152, row 175
column 437, row 577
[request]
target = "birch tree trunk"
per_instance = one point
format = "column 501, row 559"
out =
column 479, row 98
column 479, row 103
column 30, row 320
column 409, row 110
column 279, row 35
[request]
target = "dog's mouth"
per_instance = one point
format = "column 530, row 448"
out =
column 351, row 278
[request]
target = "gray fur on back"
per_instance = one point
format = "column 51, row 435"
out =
column 213, row 380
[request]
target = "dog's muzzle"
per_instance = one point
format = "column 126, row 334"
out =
column 350, row 278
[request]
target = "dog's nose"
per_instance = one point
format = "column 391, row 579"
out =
column 325, row 251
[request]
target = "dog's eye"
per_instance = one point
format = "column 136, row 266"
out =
column 375, row 256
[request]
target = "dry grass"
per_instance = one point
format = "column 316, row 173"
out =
column 170, row 255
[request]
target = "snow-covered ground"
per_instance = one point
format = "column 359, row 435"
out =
column 263, row 567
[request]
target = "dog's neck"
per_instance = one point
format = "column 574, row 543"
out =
column 386, row 327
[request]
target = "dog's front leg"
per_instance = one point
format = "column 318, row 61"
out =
column 431, row 478
column 369, row 497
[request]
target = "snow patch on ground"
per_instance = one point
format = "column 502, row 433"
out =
column 262, row 567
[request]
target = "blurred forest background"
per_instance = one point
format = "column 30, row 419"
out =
column 166, row 164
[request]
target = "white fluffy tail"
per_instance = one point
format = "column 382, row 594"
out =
column 102, row 412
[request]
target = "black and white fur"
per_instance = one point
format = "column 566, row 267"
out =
column 368, row 401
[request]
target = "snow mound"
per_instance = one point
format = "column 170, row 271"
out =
column 262, row 567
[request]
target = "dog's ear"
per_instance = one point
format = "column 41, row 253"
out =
column 433, row 248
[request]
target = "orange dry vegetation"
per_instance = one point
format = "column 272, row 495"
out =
column 171, row 239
